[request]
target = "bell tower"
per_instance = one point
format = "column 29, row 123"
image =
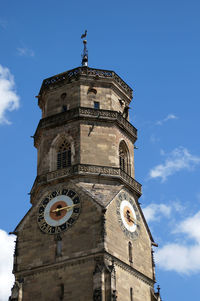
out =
column 85, row 236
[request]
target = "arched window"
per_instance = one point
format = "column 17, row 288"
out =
column 63, row 155
column 130, row 252
column 124, row 157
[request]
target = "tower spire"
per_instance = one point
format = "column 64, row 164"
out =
column 85, row 51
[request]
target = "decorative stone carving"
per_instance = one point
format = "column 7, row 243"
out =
column 16, row 291
column 97, row 295
column 114, row 295
column 90, row 113
column 89, row 169
column 90, row 72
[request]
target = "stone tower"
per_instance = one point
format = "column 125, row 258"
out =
column 85, row 237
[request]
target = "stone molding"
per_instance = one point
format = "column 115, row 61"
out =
column 75, row 74
column 85, row 169
column 85, row 114
column 84, row 259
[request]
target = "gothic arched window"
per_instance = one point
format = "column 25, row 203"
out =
column 63, row 155
column 124, row 157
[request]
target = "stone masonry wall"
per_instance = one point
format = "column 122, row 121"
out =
column 117, row 243
column 84, row 237
column 99, row 145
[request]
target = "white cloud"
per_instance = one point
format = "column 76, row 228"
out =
column 9, row 100
column 168, row 117
column 191, row 227
column 178, row 206
column 154, row 211
column 180, row 158
column 180, row 257
column 24, row 51
column 6, row 264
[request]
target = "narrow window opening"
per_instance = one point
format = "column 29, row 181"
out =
column 123, row 158
column 58, row 246
column 131, row 294
column 130, row 252
column 64, row 108
column 96, row 105
column 62, row 291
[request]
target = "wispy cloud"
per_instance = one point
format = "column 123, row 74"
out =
column 154, row 139
column 168, row 117
column 6, row 264
column 179, row 257
column 154, row 211
column 3, row 23
column 179, row 159
column 24, row 51
column 9, row 100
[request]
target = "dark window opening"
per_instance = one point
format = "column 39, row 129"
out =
column 131, row 294
column 64, row 155
column 96, row 105
column 130, row 252
column 64, row 108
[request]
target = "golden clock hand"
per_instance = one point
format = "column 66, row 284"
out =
column 69, row 207
column 64, row 208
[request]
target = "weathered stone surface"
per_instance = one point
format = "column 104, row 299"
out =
column 90, row 260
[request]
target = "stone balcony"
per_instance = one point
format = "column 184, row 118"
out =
column 83, row 113
column 113, row 173
column 81, row 72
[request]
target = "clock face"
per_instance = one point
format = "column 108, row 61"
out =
column 128, row 215
column 58, row 211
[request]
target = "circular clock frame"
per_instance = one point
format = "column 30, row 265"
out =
column 58, row 211
column 128, row 215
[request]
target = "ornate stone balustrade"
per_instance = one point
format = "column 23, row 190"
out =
column 88, row 113
column 84, row 169
column 89, row 72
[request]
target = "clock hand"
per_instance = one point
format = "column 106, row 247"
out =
column 67, row 208
column 133, row 220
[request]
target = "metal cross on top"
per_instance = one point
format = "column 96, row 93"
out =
column 85, row 51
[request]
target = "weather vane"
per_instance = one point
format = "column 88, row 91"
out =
column 85, row 51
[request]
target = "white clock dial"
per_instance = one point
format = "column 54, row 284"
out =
column 128, row 216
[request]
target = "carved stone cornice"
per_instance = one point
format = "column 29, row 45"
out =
column 91, row 170
column 89, row 114
column 81, row 72
column 77, row 260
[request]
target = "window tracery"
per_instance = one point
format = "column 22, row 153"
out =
column 124, row 157
column 63, row 155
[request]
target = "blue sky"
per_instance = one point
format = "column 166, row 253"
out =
column 154, row 46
